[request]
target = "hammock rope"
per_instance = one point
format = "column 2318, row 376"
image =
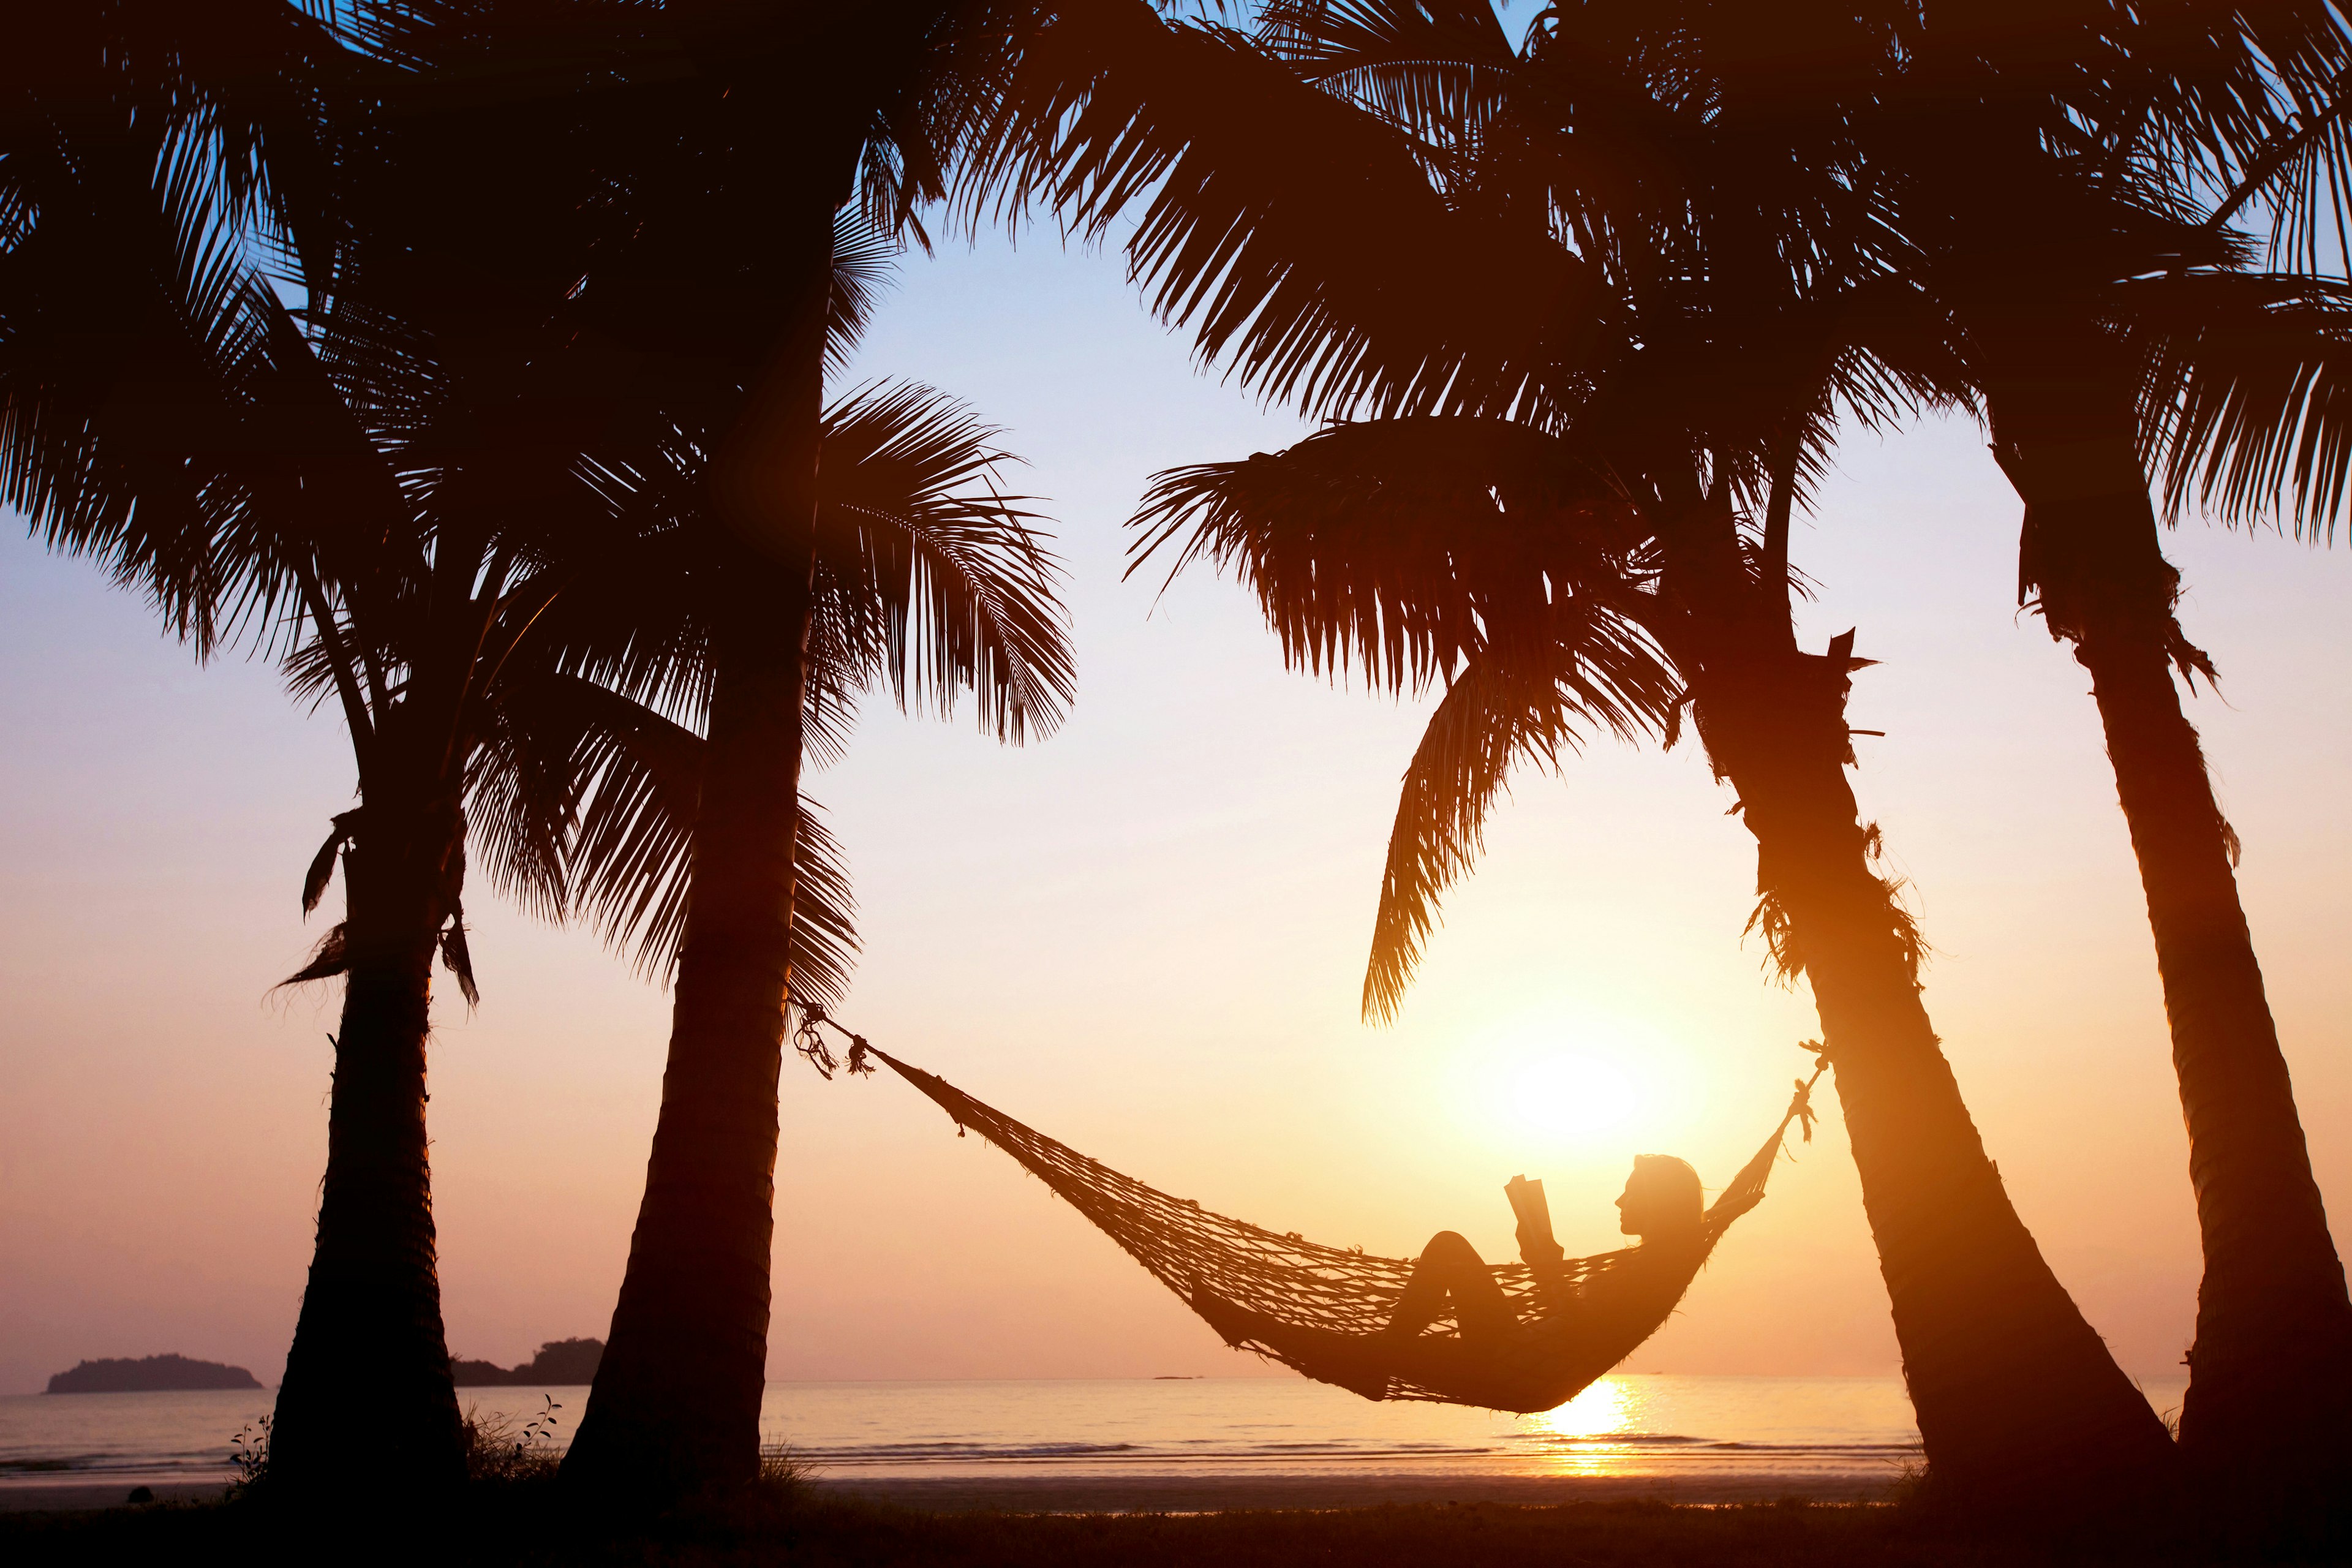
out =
column 1198, row 1253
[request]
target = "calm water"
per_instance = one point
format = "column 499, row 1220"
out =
column 1631, row 1426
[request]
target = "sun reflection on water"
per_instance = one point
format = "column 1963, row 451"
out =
column 1573, row 1439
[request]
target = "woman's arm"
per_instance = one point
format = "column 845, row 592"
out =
column 1537, row 1244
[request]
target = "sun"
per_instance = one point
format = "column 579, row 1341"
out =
column 1557, row 1083
column 1570, row 1093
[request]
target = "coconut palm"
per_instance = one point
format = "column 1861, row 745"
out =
column 587, row 191
column 178, row 457
column 2062, row 180
column 2011, row 143
column 427, row 598
column 315, row 486
column 2119, row 334
column 1378, row 540
column 733, row 139
column 582, row 796
column 379, row 605
column 1692, row 338
column 925, row 578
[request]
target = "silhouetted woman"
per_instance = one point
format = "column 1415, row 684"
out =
column 1584, row 1320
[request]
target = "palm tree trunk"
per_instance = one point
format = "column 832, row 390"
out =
column 2270, row 1371
column 675, row 1406
column 366, row 1403
column 2019, row 1402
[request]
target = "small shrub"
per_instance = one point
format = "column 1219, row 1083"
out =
column 249, row 1454
column 497, row 1450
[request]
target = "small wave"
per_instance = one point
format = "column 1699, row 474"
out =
column 1135, row 1454
column 106, row 1465
column 1817, row 1447
column 1726, row 1445
column 1040, row 1454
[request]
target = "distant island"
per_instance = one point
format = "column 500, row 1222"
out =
column 149, row 1374
column 560, row 1363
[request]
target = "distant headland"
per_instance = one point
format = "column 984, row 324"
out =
column 149, row 1374
column 560, row 1363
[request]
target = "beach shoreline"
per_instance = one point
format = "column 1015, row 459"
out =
column 1116, row 1444
column 1087, row 1494
column 1223, row 1494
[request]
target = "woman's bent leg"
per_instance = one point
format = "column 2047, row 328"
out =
column 1450, row 1272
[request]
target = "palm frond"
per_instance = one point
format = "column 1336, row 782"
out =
column 1527, row 700
column 2247, row 403
column 126, row 315
column 863, row 253
column 1299, row 237
column 2228, row 110
column 1399, row 546
column 632, row 784
column 929, row 577
column 1438, row 70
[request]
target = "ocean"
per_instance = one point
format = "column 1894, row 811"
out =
column 1692, row 1436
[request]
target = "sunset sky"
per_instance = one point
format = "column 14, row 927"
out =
column 1145, row 936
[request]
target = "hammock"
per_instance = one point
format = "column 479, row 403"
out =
column 1216, row 1264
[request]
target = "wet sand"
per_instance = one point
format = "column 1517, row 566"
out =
column 1209, row 1494
column 82, row 1496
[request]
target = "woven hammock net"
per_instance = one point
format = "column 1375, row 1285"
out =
column 1207, row 1257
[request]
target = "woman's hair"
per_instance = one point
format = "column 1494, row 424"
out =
column 1671, row 1188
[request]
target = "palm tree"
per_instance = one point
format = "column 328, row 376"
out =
column 2011, row 144
column 679, row 226
column 1383, row 277
column 1354, row 540
column 583, row 796
column 322, row 483
column 213, row 490
column 923, row 577
column 2064, row 180
column 2111, row 320
column 734, row 141
column 2060, row 180
column 180, row 457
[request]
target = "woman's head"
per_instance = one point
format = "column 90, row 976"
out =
column 1662, row 1198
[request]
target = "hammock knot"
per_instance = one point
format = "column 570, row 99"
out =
column 1801, row 1109
column 1800, row 1105
column 808, row 1039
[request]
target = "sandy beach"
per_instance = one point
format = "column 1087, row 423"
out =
column 1123, row 1446
column 1178, row 1494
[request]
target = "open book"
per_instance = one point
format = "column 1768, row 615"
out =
column 1536, row 1244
